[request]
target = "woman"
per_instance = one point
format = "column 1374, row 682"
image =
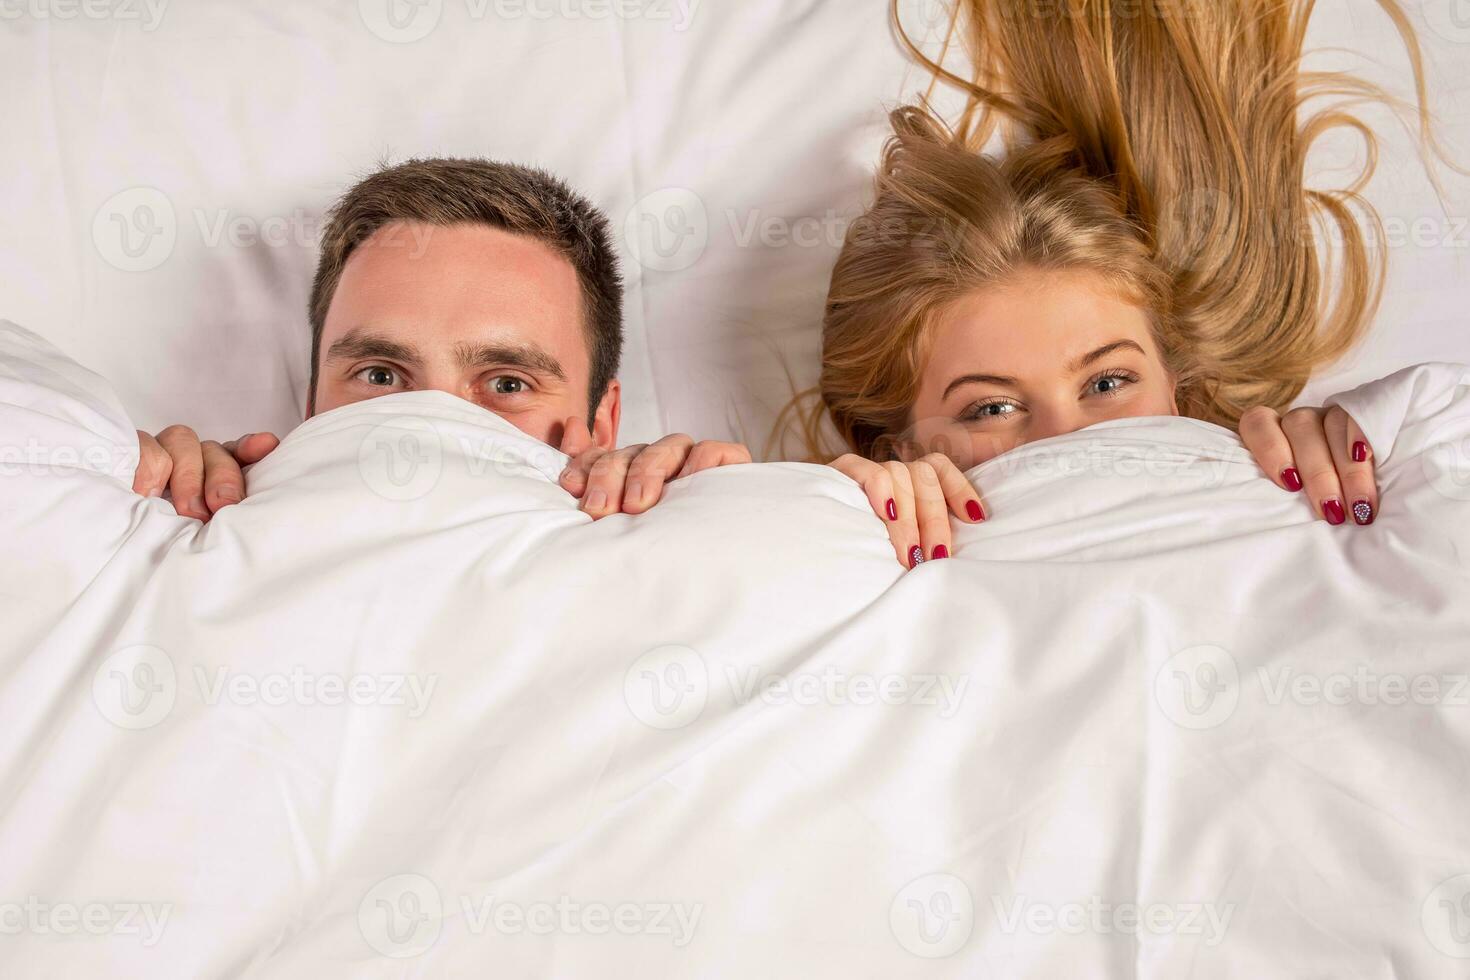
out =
column 1143, row 247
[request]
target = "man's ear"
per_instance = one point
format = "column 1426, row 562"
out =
column 609, row 414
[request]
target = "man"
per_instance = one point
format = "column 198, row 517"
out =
column 491, row 282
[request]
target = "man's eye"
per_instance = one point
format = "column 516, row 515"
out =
column 378, row 377
column 507, row 385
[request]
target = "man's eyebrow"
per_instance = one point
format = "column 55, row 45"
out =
column 1073, row 368
column 527, row 356
column 355, row 345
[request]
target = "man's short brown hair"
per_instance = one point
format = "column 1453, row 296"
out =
column 520, row 200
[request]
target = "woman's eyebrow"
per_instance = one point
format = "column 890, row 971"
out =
column 979, row 379
column 1102, row 352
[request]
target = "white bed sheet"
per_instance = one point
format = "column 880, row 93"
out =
column 1152, row 720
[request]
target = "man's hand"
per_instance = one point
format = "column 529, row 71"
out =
column 202, row 477
column 631, row 480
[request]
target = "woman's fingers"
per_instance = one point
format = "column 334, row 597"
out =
column 931, row 511
column 1354, row 460
column 875, row 481
column 964, row 500
column 1304, row 429
column 1261, row 432
column 903, row 530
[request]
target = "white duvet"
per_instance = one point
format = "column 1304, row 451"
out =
column 405, row 712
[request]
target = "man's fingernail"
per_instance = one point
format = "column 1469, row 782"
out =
column 597, row 500
column 634, row 493
column 1333, row 509
column 1360, row 451
column 892, row 509
column 916, row 556
column 228, row 495
column 940, row 551
column 1363, row 512
column 976, row 512
column 155, row 492
column 1292, row 479
column 564, row 473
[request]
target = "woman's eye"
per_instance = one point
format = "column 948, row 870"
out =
column 1110, row 384
column 508, row 386
column 378, row 377
column 990, row 410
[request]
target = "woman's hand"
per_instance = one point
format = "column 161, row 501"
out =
column 915, row 501
column 631, row 480
column 1322, row 450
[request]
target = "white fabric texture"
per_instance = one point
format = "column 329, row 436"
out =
column 167, row 176
column 406, row 712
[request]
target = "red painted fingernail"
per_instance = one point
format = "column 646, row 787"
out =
column 1292, row 479
column 1333, row 509
column 1363, row 512
column 916, row 556
column 972, row 507
column 1360, row 451
column 940, row 551
column 892, row 509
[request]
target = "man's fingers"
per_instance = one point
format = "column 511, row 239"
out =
column 605, row 481
column 1303, row 427
column 224, row 483
column 252, row 448
column 1261, row 432
column 573, row 479
column 154, row 467
column 576, row 438
column 186, row 482
column 650, row 469
column 708, row 455
column 1354, row 460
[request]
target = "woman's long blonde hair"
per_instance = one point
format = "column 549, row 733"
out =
column 1160, row 143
